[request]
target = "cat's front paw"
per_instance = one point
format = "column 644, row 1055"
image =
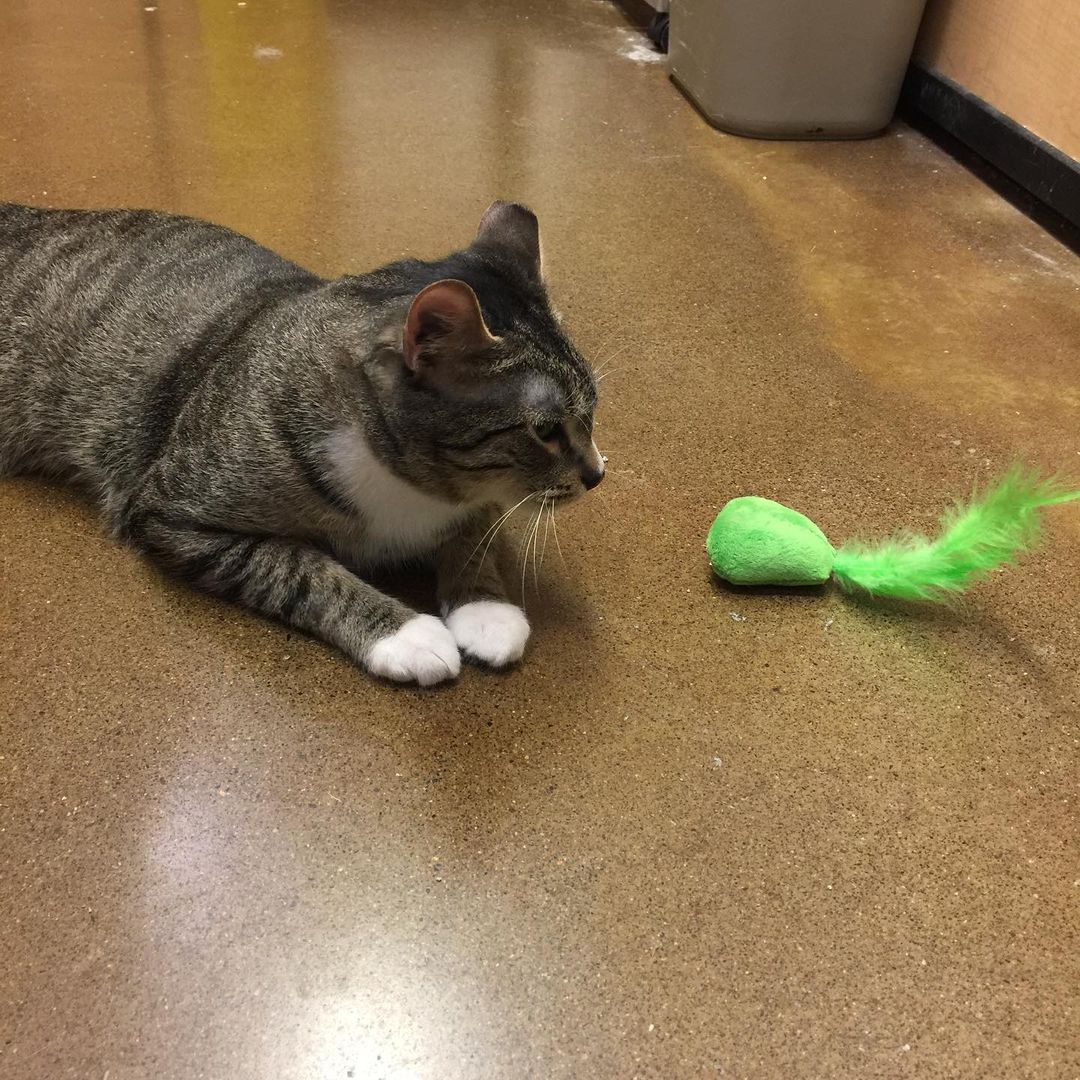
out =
column 421, row 651
column 490, row 631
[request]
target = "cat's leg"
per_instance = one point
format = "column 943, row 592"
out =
column 485, row 625
column 305, row 588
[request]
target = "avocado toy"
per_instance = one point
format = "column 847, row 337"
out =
column 756, row 541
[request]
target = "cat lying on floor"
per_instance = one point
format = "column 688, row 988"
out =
column 268, row 435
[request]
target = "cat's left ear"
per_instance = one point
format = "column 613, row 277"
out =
column 513, row 230
column 444, row 332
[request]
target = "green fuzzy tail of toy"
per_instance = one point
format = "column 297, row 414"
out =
column 992, row 530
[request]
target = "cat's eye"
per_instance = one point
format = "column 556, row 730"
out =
column 547, row 432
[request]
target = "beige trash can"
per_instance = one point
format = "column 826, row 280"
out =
column 793, row 69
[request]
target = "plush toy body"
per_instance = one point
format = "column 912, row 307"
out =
column 759, row 542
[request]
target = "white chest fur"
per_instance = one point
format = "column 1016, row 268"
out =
column 398, row 520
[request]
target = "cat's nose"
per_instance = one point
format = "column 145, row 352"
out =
column 591, row 477
column 592, row 467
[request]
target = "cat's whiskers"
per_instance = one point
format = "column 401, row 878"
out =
column 490, row 535
column 498, row 521
column 606, row 343
column 550, row 529
column 530, row 535
column 536, row 543
column 550, row 507
column 555, row 533
column 603, row 364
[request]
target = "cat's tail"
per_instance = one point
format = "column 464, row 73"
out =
column 992, row 529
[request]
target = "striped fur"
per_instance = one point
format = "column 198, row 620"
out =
column 268, row 435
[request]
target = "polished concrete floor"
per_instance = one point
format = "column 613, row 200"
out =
column 700, row 832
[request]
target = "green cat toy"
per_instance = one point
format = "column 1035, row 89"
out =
column 759, row 542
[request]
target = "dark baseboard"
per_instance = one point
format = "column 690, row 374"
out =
column 1033, row 175
column 638, row 13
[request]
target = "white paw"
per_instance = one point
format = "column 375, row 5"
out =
column 490, row 631
column 422, row 651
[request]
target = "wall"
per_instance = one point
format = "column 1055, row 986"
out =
column 1018, row 55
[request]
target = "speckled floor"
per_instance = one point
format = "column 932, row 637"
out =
column 701, row 832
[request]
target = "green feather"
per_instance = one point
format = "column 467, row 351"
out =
column 993, row 529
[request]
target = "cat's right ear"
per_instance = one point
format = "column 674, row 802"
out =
column 444, row 333
column 512, row 229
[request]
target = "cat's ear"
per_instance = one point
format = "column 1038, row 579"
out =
column 444, row 330
column 512, row 229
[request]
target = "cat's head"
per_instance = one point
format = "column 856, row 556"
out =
column 498, row 400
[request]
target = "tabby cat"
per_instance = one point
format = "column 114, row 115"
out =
column 270, row 436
